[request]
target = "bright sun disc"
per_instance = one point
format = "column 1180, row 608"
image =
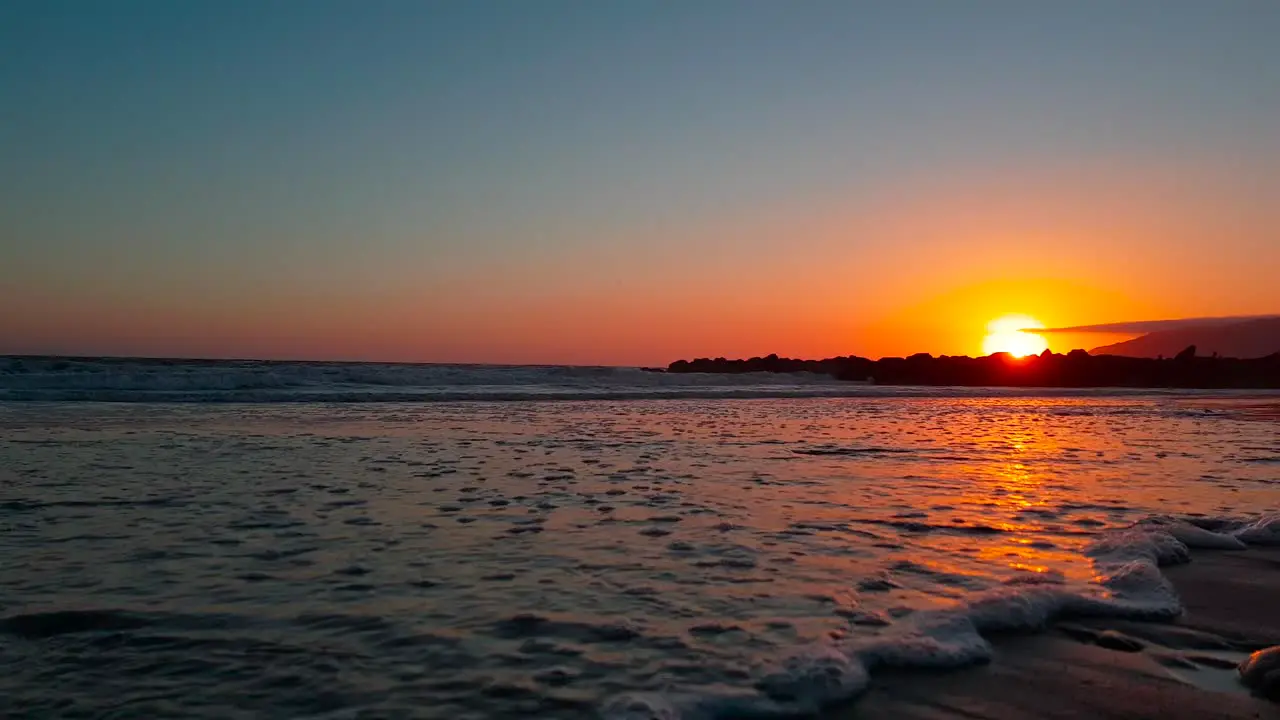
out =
column 1005, row 334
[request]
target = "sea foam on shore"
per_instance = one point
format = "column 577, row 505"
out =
column 1129, row 585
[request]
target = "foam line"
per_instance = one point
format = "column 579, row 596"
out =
column 1129, row 584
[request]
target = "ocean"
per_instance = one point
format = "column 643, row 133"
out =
column 248, row 539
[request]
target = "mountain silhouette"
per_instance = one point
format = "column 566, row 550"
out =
column 1245, row 339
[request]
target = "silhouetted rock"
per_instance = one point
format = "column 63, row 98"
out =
column 1261, row 672
column 1075, row 369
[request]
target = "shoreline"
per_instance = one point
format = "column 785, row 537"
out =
column 1077, row 369
column 1113, row 669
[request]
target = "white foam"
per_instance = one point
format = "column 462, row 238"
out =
column 934, row 640
column 819, row 676
column 1228, row 533
column 1263, row 531
column 1137, row 589
column 1015, row 609
column 1128, row 583
column 1194, row 536
column 640, row 706
column 1146, row 544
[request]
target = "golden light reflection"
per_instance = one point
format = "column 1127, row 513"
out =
column 940, row 494
column 1011, row 477
column 1038, row 569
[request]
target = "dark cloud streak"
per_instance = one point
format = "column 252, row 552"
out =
column 1147, row 326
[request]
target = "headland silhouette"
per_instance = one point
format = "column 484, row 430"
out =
column 1251, row 338
column 1076, row 369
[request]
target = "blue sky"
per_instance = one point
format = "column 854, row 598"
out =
column 332, row 163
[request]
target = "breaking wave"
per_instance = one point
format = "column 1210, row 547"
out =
column 248, row 381
column 111, row 380
column 1128, row 584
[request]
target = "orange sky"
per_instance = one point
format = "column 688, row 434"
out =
column 490, row 182
column 924, row 268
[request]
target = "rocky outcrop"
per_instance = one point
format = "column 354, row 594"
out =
column 1074, row 369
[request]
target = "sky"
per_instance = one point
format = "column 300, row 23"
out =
column 575, row 181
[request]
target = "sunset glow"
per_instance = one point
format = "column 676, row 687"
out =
column 476, row 183
column 1006, row 334
column 777, row 354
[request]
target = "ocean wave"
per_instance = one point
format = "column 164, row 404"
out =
column 111, row 380
column 1129, row 584
column 25, row 379
column 55, row 623
column 853, row 451
column 180, row 375
column 425, row 395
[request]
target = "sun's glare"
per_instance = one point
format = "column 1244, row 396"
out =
column 1005, row 334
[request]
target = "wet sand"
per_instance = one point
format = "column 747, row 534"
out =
column 1114, row 669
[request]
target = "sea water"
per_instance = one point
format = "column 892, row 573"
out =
column 268, row 541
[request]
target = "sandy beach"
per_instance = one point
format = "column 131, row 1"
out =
column 1115, row 669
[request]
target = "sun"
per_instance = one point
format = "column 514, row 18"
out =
column 1005, row 334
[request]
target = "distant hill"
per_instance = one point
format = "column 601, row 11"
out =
column 1076, row 369
column 1245, row 339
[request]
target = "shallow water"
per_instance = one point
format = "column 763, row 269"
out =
column 495, row 559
